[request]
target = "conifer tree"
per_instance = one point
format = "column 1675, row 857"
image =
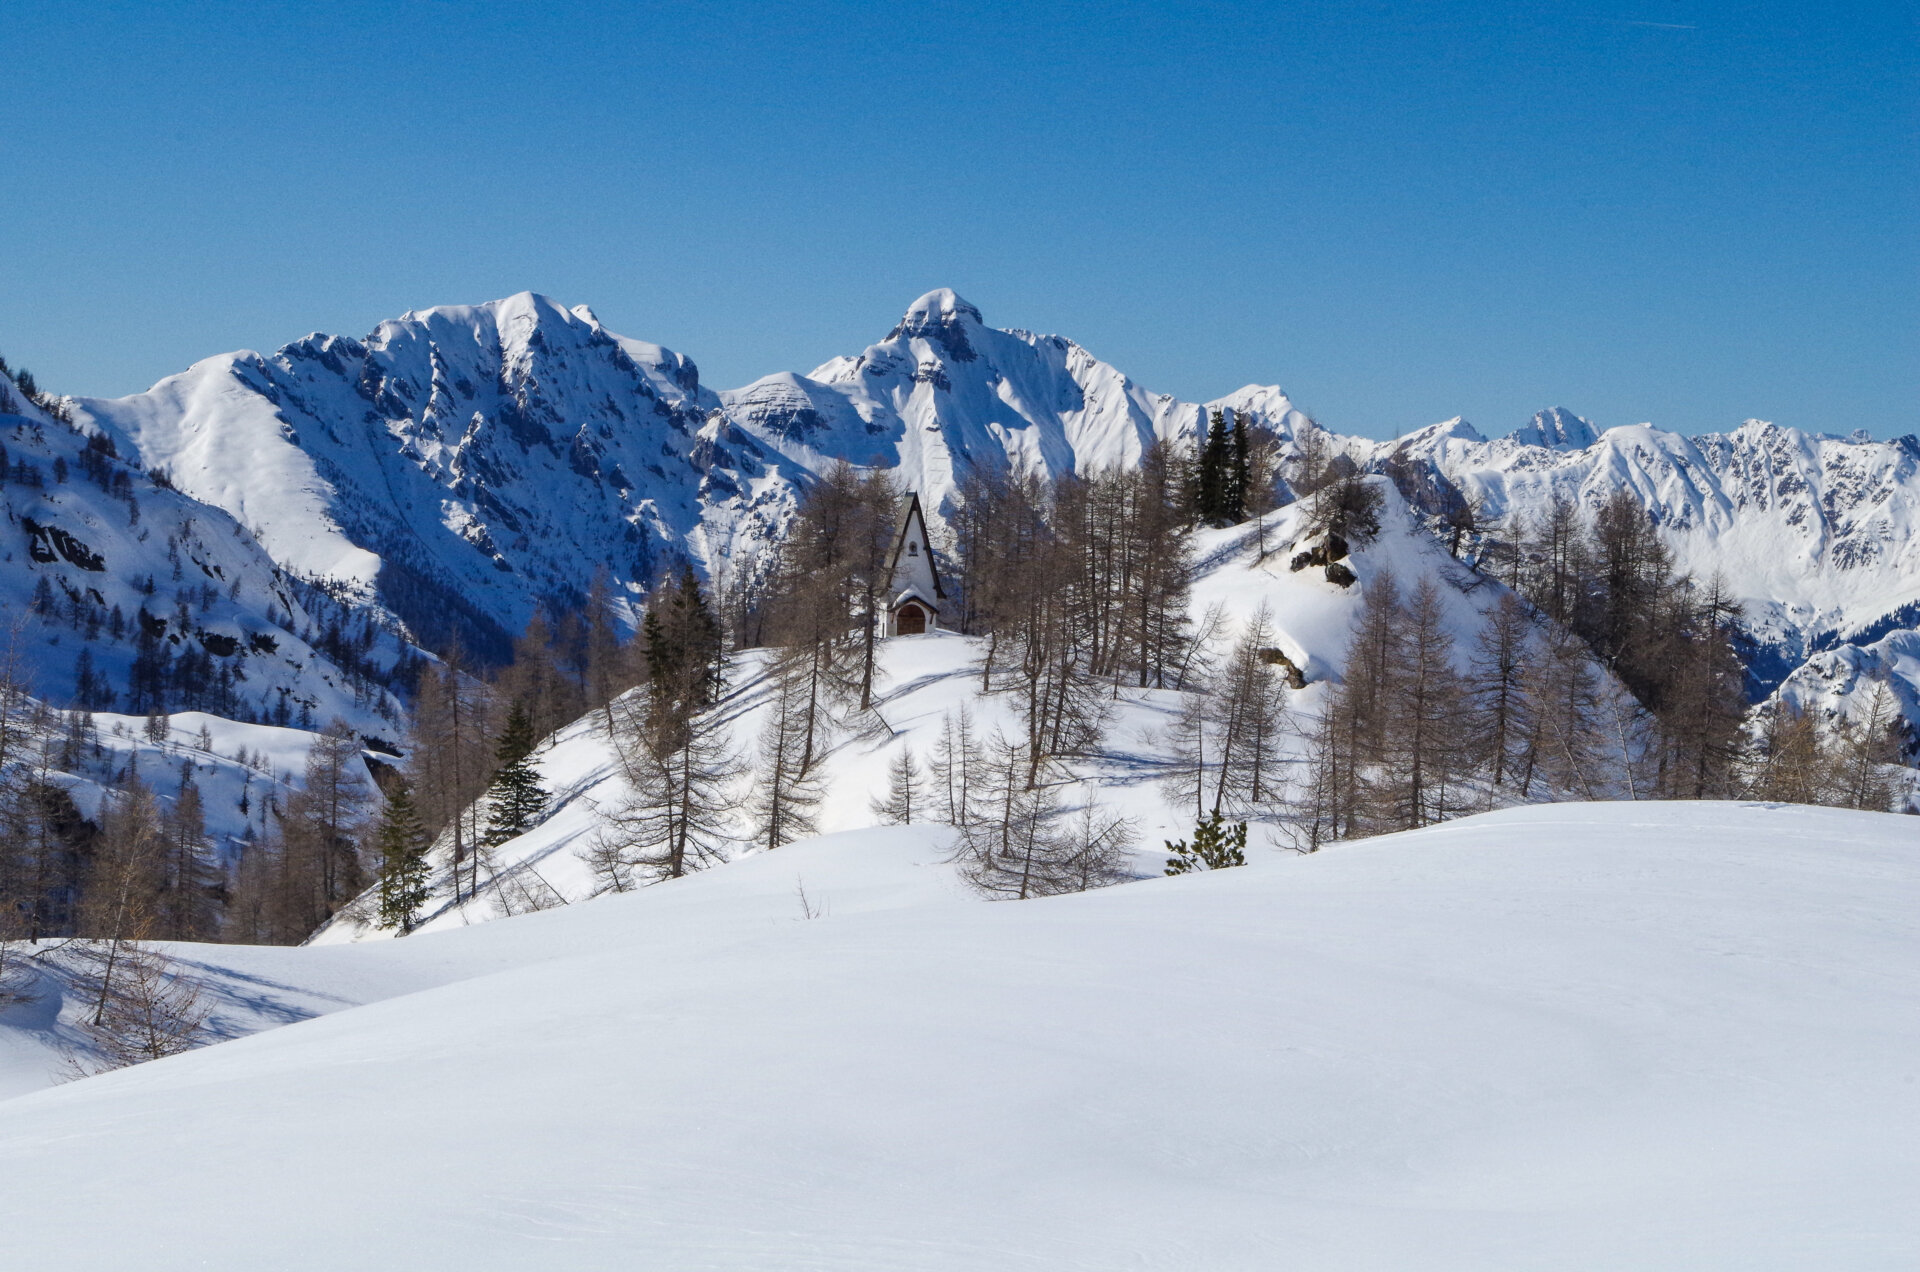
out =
column 906, row 793
column 1495, row 687
column 682, row 645
column 185, row 905
column 1865, row 746
column 1423, row 734
column 1214, row 477
column 1216, row 845
column 401, row 845
column 787, row 786
column 1024, row 846
column 680, row 811
column 1792, row 762
column 516, row 797
column 955, row 769
column 1234, row 501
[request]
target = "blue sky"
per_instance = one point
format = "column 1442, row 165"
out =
column 1647, row 210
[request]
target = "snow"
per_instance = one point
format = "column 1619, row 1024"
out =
column 488, row 449
column 1647, row 1035
column 923, row 681
column 176, row 556
column 275, row 760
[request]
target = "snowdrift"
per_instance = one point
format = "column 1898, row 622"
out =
column 1630, row 1035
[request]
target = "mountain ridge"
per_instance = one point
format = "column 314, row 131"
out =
column 483, row 460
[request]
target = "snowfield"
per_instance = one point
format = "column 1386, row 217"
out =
column 1565, row 1036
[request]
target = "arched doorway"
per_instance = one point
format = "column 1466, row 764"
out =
column 910, row 620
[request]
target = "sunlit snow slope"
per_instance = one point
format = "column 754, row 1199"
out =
column 1647, row 1036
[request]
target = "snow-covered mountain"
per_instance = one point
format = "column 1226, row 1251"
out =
column 123, row 593
column 944, row 391
column 1818, row 537
column 461, row 465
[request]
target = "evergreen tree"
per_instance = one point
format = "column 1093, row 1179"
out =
column 516, row 797
column 1213, row 485
column 1239, row 472
column 682, row 645
column 401, row 845
column 1216, row 846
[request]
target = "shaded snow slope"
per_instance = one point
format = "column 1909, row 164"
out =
column 1651, row 1036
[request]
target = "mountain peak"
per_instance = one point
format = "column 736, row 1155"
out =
column 1558, row 429
column 939, row 306
column 942, row 317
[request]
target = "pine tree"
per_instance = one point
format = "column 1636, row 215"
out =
column 682, row 645
column 1214, row 478
column 1216, row 846
column 516, row 798
column 1235, row 498
column 401, row 845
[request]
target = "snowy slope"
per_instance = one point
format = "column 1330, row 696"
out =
column 242, row 771
column 205, row 587
column 926, row 680
column 1649, row 1036
column 250, row 988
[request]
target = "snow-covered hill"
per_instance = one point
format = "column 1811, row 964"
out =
column 927, row 681
column 1634, row 1035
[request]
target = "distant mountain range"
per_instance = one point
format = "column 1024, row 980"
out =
column 460, row 466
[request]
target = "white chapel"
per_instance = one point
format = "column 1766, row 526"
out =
column 914, row 596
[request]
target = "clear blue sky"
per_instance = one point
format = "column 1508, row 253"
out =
column 1639, row 209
